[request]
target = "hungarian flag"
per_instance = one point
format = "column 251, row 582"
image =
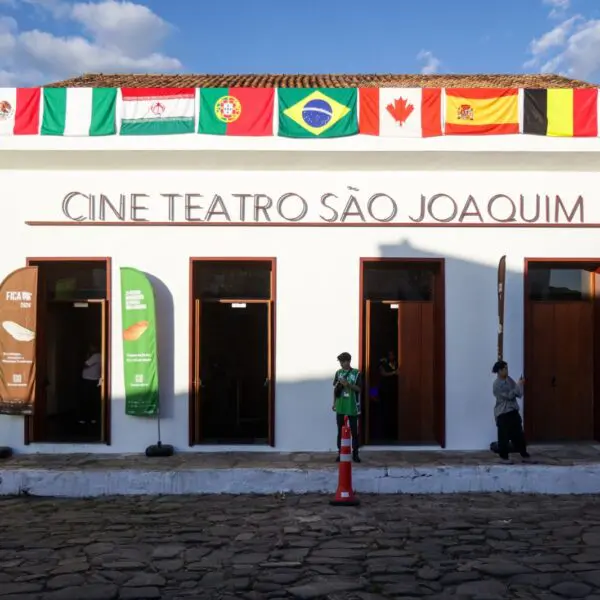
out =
column 79, row 111
column 158, row 111
column 236, row 111
column 19, row 111
column 400, row 112
column 561, row 112
column 482, row 111
column 317, row 112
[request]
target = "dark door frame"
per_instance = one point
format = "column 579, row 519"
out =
column 28, row 436
column 439, row 292
column 527, row 335
column 272, row 261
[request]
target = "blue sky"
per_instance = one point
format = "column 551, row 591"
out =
column 42, row 40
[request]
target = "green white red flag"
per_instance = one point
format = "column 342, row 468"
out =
column 20, row 111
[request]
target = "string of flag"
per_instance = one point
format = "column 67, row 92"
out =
column 299, row 112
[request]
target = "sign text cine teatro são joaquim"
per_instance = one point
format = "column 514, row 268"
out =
column 350, row 206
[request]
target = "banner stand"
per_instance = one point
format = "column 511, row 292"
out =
column 159, row 449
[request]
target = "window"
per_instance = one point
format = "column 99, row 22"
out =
column 223, row 279
column 552, row 282
column 393, row 281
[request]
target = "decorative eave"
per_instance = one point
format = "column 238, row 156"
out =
column 321, row 80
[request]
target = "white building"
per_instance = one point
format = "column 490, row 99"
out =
column 360, row 244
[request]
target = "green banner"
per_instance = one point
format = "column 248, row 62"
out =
column 139, row 343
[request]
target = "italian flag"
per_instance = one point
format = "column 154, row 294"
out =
column 79, row 111
column 236, row 111
column 19, row 111
column 158, row 111
column 400, row 112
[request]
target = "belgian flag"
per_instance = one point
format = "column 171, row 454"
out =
column 561, row 112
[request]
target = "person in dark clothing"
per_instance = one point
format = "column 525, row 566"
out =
column 388, row 396
column 506, row 412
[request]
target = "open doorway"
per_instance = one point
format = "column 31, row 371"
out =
column 232, row 352
column 402, row 351
column 71, row 403
column 562, row 350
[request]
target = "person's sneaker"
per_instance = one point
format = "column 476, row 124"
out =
column 526, row 457
column 506, row 461
column 356, row 457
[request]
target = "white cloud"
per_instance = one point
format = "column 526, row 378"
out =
column 554, row 38
column 114, row 37
column 559, row 8
column 571, row 48
column 432, row 64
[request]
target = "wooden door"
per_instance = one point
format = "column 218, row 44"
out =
column 270, row 375
column 540, row 410
column 370, row 379
column 416, row 383
column 559, row 401
column 104, row 352
column 197, row 382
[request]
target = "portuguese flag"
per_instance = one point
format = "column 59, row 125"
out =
column 236, row 111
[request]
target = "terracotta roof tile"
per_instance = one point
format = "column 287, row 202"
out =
column 315, row 80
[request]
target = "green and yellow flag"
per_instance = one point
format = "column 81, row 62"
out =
column 317, row 112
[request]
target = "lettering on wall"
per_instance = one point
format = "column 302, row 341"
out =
column 328, row 208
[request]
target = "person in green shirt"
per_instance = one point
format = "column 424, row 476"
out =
column 346, row 401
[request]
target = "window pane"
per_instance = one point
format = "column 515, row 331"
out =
column 251, row 280
column 547, row 283
column 398, row 282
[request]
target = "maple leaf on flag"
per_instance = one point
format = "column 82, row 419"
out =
column 400, row 110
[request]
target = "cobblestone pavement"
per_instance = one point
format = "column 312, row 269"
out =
column 226, row 547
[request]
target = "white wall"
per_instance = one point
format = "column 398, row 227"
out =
column 317, row 281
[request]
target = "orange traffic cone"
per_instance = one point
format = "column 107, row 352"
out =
column 344, row 496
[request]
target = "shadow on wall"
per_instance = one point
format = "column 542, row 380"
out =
column 471, row 327
column 303, row 408
column 165, row 333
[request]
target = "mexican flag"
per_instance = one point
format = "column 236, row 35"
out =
column 158, row 111
column 236, row 111
column 317, row 112
column 19, row 111
column 79, row 111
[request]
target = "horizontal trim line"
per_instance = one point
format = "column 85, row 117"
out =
column 309, row 224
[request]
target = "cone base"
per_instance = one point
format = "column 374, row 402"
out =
column 353, row 502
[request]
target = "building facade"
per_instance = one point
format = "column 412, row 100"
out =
column 269, row 256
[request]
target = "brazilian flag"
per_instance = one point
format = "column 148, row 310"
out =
column 317, row 112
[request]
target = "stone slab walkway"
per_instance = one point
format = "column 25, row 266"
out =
column 485, row 547
column 554, row 470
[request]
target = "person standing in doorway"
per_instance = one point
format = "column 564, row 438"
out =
column 388, row 395
column 506, row 412
column 90, row 379
column 346, row 401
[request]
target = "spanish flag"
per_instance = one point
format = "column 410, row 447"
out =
column 483, row 111
column 561, row 112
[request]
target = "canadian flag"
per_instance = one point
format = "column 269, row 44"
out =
column 400, row 112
